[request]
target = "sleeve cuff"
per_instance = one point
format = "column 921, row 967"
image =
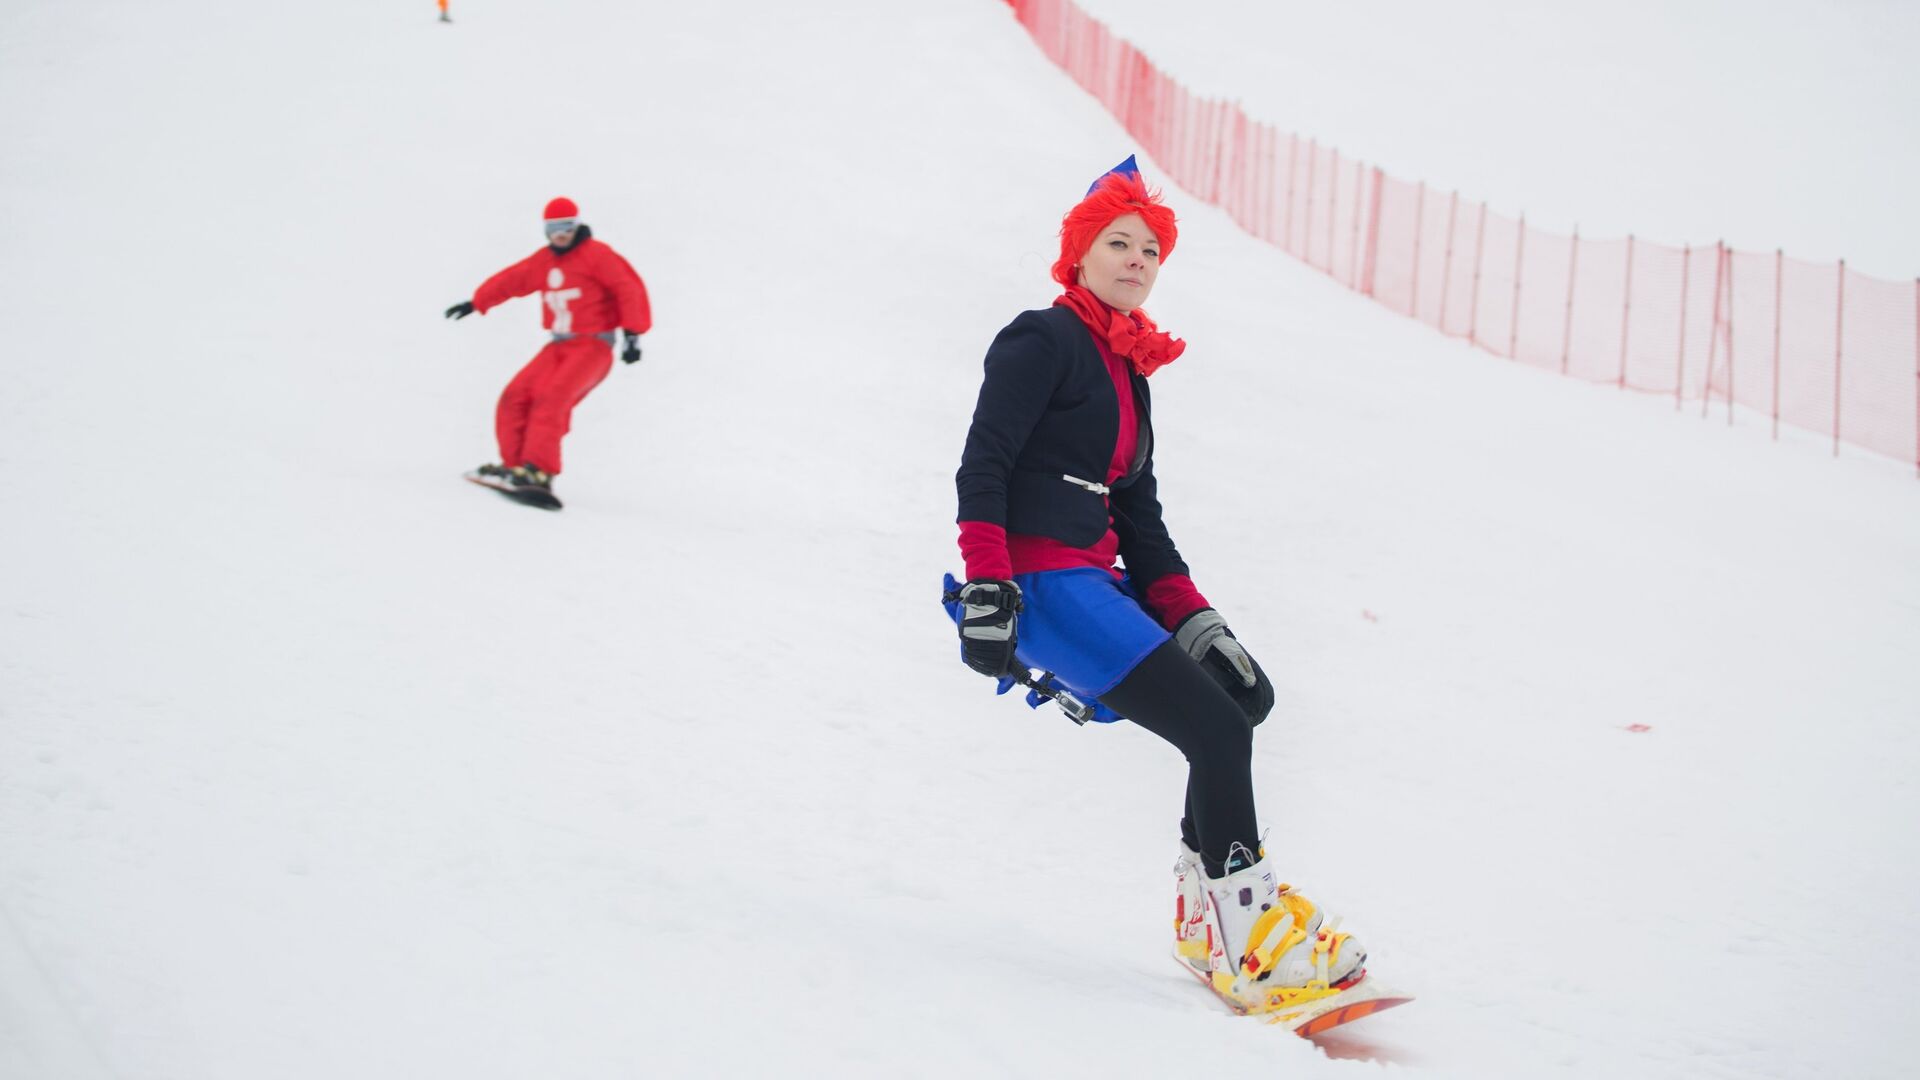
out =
column 983, row 546
column 1172, row 598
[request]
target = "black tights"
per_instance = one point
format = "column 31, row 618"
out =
column 1170, row 695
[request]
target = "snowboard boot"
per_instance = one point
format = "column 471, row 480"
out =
column 497, row 475
column 530, row 484
column 527, row 476
column 1192, row 924
column 1270, row 949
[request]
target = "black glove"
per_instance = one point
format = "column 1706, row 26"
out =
column 988, row 610
column 1205, row 637
column 631, row 354
column 460, row 310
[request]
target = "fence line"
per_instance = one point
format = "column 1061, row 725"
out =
column 1818, row 347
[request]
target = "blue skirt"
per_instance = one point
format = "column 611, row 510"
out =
column 1085, row 626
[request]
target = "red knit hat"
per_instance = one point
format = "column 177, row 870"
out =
column 1115, row 195
column 561, row 208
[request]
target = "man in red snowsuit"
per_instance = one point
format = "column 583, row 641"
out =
column 588, row 293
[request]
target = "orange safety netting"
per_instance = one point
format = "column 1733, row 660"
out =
column 1816, row 347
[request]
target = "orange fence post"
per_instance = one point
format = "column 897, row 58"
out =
column 1779, row 266
column 1185, row 177
column 1566, row 325
column 1233, row 156
column 1149, row 91
column 1157, row 88
column 1446, row 263
column 1333, row 204
column 1730, row 367
column 1225, row 166
column 1187, row 145
column 1419, row 213
column 1207, row 183
column 1353, row 243
column 444, row 17
column 1519, row 263
column 1211, row 120
column 1221, row 126
column 1373, row 232
column 1680, row 370
column 1626, row 313
column 1839, row 336
column 1713, row 335
column 1293, row 171
column 1313, row 171
column 1268, row 144
column 1473, row 301
column 1240, row 169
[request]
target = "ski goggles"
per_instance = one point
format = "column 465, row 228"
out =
column 559, row 225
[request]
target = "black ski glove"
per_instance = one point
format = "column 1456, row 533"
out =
column 988, row 610
column 1205, row 637
column 631, row 354
column 460, row 310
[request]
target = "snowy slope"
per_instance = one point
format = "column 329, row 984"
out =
column 315, row 762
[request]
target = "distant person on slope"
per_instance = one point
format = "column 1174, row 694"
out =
column 1056, row 480
column 588, row 293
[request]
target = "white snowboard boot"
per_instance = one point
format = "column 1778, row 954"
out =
column 1269, row 947
column 1192, row 914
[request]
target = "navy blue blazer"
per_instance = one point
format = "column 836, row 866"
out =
column 1047, row 412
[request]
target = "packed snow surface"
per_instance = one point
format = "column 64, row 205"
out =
column 1596, row 720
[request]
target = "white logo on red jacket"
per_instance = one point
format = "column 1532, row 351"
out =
column 557, row 300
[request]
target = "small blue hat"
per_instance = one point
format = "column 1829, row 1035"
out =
column 1125, row 168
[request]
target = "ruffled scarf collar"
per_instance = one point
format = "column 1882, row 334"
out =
column 1133, row 336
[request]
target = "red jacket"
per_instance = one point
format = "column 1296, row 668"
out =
column 586, row 289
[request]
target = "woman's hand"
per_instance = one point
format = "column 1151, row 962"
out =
column 1205, row 631
column 1205, row 637
column 989, row 608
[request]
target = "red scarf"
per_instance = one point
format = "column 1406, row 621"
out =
column 1132, row 336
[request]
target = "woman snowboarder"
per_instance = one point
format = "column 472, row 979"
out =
column 1056, row 481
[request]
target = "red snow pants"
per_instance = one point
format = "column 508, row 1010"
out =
column 536, row 408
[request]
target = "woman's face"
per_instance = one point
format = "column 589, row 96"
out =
column 1122, row 263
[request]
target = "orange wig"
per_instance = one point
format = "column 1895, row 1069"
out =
column 1116, row 195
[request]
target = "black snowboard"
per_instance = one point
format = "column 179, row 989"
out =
column 526, row 496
